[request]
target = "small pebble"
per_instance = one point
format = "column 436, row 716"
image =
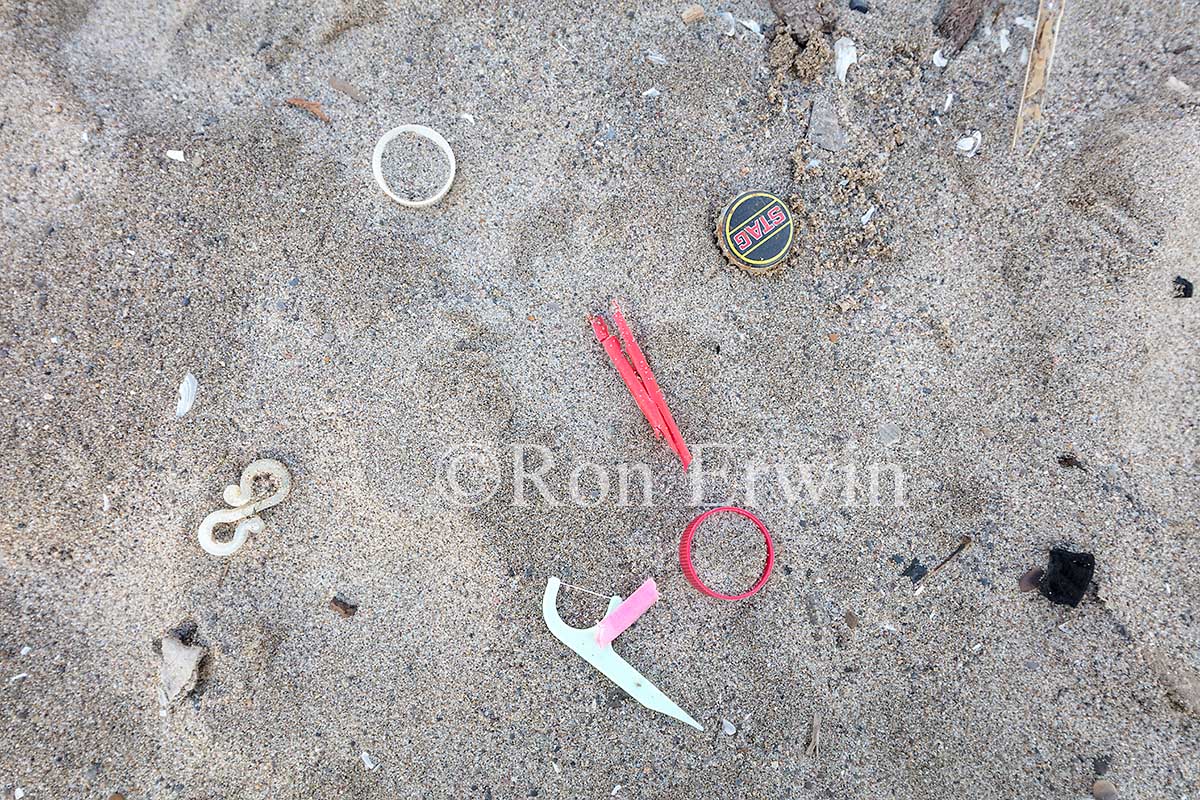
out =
column 889, row 434
column 343, row 607
column 851, row 620
column 1030, row 580
column 861, row 6
column 727, row 728
column 1104, row 790
column 693, row 13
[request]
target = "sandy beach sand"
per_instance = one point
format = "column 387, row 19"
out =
column 1001, row 329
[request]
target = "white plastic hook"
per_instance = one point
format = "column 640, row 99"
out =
column 425, row 133
column 245, row 507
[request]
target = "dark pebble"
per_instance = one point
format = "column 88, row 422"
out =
column 1030, row 580
column 343, row 607
column 861, row 6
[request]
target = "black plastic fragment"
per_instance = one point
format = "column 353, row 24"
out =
column 1067, row 577
column 915, row 571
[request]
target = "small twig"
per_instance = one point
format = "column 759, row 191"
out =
column 1037, row 71
column 963, row 544
column 310, row 106
column 814, row 740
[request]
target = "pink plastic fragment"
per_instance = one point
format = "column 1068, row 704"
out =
column 627, row 613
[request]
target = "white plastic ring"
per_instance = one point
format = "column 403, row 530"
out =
column 424, row 133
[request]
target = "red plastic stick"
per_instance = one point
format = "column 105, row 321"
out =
column 632, row 382
column 647, row 376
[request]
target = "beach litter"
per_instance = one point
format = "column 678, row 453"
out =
column 963, row 544
column 727, row 727
column 343, row 607
column 337, row 84
column 824, row 130
column 640, row 381
column 367, row 761
column 245, row 508
column 1067, row 577
column 311, row 106
column 1030, row 581
column 585, row 643
column 813, row 748
column 958, row 21
column 755, row 231
column 656, row 58
column 422, row 132
column 689, row 569
column 187, row 395
column 175, row 155
column 729, row 20
column 1181, row 287
column 968, row 146
column 1037, row 72
column 177, row 672
column 844, row 54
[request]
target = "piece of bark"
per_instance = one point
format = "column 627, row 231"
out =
column 310, row 106
column 958, row 21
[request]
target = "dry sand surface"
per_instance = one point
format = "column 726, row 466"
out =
column 1002, row 329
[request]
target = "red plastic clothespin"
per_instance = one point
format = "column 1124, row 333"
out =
column 640, row 381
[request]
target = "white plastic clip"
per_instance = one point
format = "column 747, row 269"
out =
column 245, row 507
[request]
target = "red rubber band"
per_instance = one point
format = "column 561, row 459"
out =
column 685, row 554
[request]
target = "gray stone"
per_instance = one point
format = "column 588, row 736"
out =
column 824, row 130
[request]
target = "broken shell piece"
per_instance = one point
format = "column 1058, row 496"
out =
column 728, row 19
column 968, row 146
column 368, row 762
column 656, row 58
column 187, row 394
column 1176, row 85
column 650, row 94
column 693, row 13
column 175, row 155
column 245, row 507
column 1004, row 43
column 752, row 26
column 177, row 673
column 727, row 727
column 939, row 60
column 844, row 54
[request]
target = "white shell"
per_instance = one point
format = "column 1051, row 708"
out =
column 845, row 54
column 969, row 145
column 728, row 19
column 751, row 26
column 175, row 155
column 939, row 60
column 187, row 394
column 651, row 93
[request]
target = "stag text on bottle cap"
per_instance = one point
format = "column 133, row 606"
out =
column 756, row 231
